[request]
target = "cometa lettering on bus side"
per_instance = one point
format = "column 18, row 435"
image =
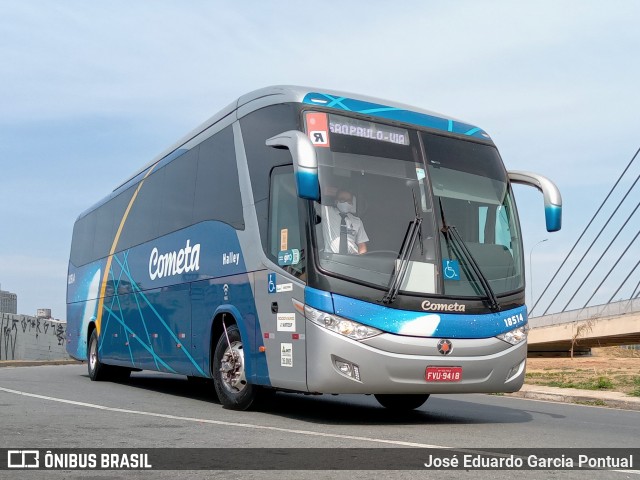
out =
column 185, row 260
column 443, row 307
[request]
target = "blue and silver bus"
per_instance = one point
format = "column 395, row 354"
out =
column 308, row 240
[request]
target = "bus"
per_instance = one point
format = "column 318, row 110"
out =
column 315, row 241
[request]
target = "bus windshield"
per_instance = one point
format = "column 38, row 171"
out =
column 374, row 185
column 471, row 193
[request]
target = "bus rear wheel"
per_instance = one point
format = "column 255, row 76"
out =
column 229, row 377
column 99, row 371
column 401, row 402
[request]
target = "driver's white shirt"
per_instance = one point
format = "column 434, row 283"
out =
column 331, row 230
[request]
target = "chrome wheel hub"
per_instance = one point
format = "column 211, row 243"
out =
column 93, row 355
column 232, row 368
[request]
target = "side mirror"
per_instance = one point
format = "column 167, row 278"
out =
column 551, row 194
column 305, row 162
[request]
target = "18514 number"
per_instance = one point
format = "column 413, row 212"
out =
column 513, row 320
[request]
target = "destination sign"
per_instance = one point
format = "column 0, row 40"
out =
column 374, row 131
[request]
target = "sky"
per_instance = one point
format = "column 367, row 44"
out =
column 91, row 91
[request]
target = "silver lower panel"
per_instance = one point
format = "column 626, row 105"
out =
column 382, row 371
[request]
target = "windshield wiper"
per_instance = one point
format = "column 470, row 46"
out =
column 451, row 234
column 414, row 231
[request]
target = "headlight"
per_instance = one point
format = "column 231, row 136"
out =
column 340, row 325
column 515, row 336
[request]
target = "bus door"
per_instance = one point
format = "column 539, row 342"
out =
column 278, row 293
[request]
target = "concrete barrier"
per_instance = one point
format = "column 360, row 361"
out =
column 29, row 338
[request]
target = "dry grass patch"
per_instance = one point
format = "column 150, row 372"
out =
column 611, row 369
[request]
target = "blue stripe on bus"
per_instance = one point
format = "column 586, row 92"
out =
column 394, row 113
column 318, row 299
column 130, row 332
column 136, row 291
column 136, row 307
column 441, row 325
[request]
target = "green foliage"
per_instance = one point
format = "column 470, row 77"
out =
column 594, row 403
column 600, row 383
column 604, row 383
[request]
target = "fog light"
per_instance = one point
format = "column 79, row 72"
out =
column 347, row 368
column 515, row 371
column 344, row 367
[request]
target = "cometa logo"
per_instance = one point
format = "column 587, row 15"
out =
column 443, row 307
column 185, row 260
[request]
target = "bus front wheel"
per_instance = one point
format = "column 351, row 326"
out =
column 229, row 377
column 401, row 402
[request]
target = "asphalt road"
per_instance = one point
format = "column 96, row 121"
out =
column 58, row 406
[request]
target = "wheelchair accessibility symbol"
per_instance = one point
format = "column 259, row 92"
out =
column 451, row 269
column 271, row 283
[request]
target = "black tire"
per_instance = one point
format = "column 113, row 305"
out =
column 233, row 391
column 402, row 402
column 98, row 371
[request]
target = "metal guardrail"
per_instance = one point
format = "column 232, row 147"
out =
column 597, row 311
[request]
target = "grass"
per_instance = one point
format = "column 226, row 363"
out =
column 601, row 383
column 587, row 380
column 627, row 380
column 608, row 369
column 604, row 383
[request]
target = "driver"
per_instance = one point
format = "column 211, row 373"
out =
column 343, row 232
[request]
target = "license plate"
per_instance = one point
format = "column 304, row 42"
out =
column 443, row 374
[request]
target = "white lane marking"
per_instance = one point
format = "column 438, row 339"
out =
column 220, row 422
column 255, row 427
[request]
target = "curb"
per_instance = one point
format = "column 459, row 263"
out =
column 37, row 363
column 564, row 395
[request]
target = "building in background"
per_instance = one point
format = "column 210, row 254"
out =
column 43, row 313
column 8, row 302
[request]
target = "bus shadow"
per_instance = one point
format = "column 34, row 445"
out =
column 176, row 385
column 365, row 410
column 342, row 409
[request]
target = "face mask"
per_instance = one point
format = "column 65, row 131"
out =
column 344, row 207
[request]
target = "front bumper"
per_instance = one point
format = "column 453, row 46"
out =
column 486, row 363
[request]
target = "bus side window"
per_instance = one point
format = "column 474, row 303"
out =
column 256, row 128
column 284, row 243
column 494, row 226
column 503, row 233
column 217, row 195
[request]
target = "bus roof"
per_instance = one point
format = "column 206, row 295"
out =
column 344, row 101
